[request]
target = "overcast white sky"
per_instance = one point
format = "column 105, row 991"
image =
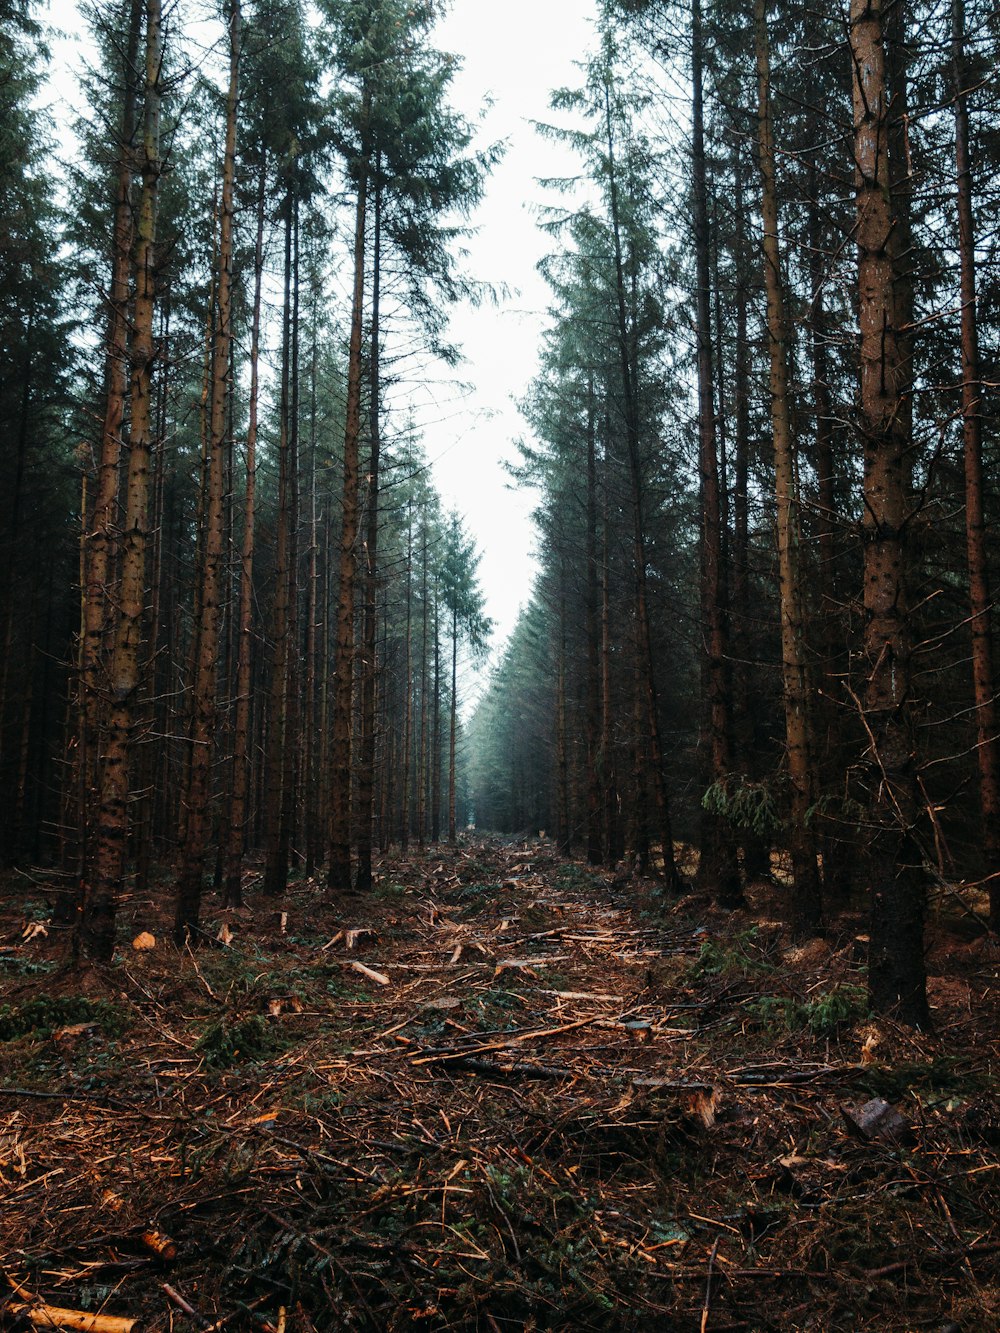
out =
column 514, row 54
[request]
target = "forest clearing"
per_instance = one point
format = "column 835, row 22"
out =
column 503, row 1091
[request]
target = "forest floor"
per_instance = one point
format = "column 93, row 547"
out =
column 503, row 1092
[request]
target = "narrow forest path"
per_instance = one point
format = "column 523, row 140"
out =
column 501, row 1092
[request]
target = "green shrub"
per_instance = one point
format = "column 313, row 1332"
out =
column 227, row 1041
column 745, row 957
column 43, row 1015
column 823, row 1016
column 745, row 804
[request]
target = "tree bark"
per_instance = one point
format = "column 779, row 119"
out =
column 453, row 731
column 404, row 816
column 276, row 850
column 203, row 720
column 563, row 834
column 311, row 742
column 835, row 834
column 100, row 541
column 236, row 833
column 649, row 749
column 594, row 759
column 896, row 973
column 369, row 665
column 422, row 748
column 96, row 930
column 339, row 869
column 288, row 848
column 435, row 755
column 980, row 601
column 718, row 866
column 805, row 899
column 609, row 767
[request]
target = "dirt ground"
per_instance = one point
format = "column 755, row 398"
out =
column 503, row 1092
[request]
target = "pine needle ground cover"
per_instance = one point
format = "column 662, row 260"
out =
column 501, row 1092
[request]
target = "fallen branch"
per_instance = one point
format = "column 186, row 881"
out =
column 54, row 1316
column 42, row 1315
column 443, row 1054
column 511, row 1068
column 183, row 1305
column 379, row 977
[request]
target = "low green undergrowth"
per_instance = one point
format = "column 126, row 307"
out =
column 43, row 1015
column 823, row 1016
column 746, row 956
column 229, row 1041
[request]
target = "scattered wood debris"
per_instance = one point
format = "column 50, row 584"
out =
column 544, row 1101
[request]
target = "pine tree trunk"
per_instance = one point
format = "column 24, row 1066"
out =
column 422, row 752
column 835, row 835
column 96, row 933
column 562, row 739
column 276, row 852
column 453, row 732
column 649, row 750
column 144, row 807
column 339, row 869
column 718, row 866
column 754, row 844
column 609, row 767
column 99, row 552
column 901, row 184
column 203, row 721
column 404, row 816
column 236, row 832
column 369, row 666
column 8, row 844
column 288, row 849
column 980, row 602
column 896, row 958
column 435, row 757
column 805, row 899
column 595, row 760
column 311, row 743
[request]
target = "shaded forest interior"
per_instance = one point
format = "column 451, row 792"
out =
column 753, row 681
